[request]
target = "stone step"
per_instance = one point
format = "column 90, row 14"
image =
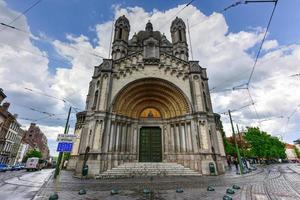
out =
column 148, row 169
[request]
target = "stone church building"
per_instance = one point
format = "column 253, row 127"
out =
column 149, row 104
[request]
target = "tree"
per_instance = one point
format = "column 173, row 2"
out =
column 32, row 153
column 263, row 145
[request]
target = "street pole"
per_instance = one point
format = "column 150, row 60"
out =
column 236, row 146
column 60, row 155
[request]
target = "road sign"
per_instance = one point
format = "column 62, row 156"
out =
column 66, row 138
column 64, row 147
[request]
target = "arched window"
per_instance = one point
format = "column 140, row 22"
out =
column 120, row 34
column 180, row 36
column 95, row 99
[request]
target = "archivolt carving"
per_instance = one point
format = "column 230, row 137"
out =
column 151, row 92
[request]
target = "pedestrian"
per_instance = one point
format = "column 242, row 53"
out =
column 228, row 162
column 235, row 162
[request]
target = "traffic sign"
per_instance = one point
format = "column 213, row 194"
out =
column 66, row 138
column 64, row 147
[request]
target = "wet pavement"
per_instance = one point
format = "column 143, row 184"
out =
column 280, row 181
column 22, row 185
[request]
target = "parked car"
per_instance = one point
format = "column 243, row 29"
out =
column 8, row 168
column 3, row 167
column 17, row 167
column 34, row 164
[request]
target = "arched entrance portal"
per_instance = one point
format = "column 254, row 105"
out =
column 151, row 104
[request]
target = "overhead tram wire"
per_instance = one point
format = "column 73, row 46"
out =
column 177, row 13
column 25, row 32
column 262, row 42
column 23, row 13
column 53, row 97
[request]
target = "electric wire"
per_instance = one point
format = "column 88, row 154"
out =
column 22, row 13
column 262, row 42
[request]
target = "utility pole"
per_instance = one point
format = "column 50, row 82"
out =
column 236, row 146
column 60, row 155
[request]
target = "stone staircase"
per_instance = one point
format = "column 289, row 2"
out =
column 147, row 169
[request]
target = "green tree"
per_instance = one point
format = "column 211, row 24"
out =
column 32, row 153
column 263, row 145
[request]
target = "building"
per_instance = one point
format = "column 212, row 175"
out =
column 23, row 149
column 290, row 152
column 80, row 118
column 149, row 103
column 37, row 140
column 10, row 133
column 13, row 140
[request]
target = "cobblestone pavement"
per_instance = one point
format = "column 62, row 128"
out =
column 271, row 182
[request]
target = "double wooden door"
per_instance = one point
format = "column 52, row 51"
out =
column 150, row 149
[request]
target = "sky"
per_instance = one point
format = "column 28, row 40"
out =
column 60, row 42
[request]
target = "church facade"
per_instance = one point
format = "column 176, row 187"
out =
column 149, row 103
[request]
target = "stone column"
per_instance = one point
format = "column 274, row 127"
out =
column 177, row 137
column 189, row 140
column 124, row 137
column 112, row 137
column 183, row 137
column 171, row 138
column 97, row 133
column 129, row 137
column 165, row 137
column 117, row 143
column 106, row 135
column 135, row 139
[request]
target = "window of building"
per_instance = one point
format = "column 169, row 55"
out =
column 120, row 34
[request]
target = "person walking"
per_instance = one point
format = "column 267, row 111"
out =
column 235, row 162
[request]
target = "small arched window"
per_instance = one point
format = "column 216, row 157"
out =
column 180, row 35
column 95, row 99
column 120, row 34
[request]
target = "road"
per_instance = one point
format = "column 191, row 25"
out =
column 278, row 182
column 22, row 185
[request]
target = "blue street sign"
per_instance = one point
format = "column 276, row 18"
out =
column 64, row 147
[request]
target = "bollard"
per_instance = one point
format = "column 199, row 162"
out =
column 179, row 190
column 82, row 192
column 236, row 187
column 114, row 191
column 230, row 191
column 146, row 191
column 226, row 197
column 53, row 196
column 210, row 188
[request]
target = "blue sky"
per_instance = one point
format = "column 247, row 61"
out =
column 57, row 18
column 59, row 27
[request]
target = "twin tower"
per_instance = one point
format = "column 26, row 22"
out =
column 122, row 46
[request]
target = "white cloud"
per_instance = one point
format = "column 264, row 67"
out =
column 270, row 44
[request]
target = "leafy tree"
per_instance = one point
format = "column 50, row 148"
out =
column 67, row 156
column 263, row 145
column 32, row 153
